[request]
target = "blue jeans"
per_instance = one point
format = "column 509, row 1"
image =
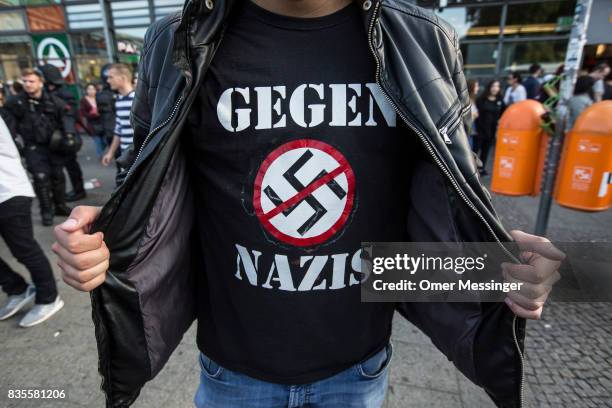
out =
column 360, row 386
column 100, row 142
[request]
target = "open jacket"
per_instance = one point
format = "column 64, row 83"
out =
column 148, row 299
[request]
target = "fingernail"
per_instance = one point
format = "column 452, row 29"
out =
column 508, row 301
column 70, row 223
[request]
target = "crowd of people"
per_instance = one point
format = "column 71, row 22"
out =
column 42, row 123
column 489, row 104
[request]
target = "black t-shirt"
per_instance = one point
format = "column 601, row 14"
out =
column 297, row 158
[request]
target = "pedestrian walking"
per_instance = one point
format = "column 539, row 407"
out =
column 16, row 230
column 582, row 98
column 105, row 99
column 490, row 107
column 40, row 118
column 599, row 73
column 532, row 84
column 71, row 142
column 88, row 108
column 120, row 81
column 515, row 92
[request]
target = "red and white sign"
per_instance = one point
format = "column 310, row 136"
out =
column 304, row 192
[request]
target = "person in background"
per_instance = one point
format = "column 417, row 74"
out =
column 516, row 91
column 89, row 110
column 473, row 88
column 120, row 81
column 35, row 115
column 608, row 87
column 532, row 83
column 105, row 98
column 599, row 72
column 583, row 98
column 490, row 107
column 15, row 88
column 55, row 84
column 16, row 229
column 4, row 114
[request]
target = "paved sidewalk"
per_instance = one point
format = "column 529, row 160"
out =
column 569, row 351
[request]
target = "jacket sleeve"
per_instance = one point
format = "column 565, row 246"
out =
column 14, row 112
column 66, row 114
column 140, row 116
column 84, row 109
column 462, row 88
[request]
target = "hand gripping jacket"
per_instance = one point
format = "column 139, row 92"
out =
column 148, row 299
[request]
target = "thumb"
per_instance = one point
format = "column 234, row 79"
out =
column 80, row 217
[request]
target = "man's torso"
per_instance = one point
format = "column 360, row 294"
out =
column 297, row 158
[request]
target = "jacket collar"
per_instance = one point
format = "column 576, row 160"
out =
column 202, row 20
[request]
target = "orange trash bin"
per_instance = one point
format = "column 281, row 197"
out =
column 585, row 172
column 518, row 150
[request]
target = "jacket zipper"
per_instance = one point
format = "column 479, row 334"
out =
column 518, row 349
column 174, row 110
column 152, row 132
column 449, row 128
column 450, row 177
column 450, row 122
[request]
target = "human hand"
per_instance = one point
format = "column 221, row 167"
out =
column 83, row 257
column 538, row 274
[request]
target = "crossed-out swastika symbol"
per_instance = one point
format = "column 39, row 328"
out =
column 304, row 192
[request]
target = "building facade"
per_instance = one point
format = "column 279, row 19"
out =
column 80, row 36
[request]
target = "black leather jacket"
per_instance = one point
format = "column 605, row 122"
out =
column 148, row 299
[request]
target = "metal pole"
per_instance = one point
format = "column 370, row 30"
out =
column 109, row 36
column 500, row 39
column 573, row 59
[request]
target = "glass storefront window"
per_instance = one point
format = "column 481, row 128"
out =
column 479, row 59
column 130, row 13
column 89, row 69
column 15, row 54
column 12, row 21
column 84, row 16
column 165, row 7
column 89, row 43
column 518, row 56
column 90, row 55
column 473, row 22
column 537, row 19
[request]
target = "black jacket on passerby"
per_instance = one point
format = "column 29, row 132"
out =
column 489, row 113
column 36, row 119
column 148, row 300
column 533, row 87
column 105, row 100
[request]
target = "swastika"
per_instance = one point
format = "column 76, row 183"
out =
column 304, row 192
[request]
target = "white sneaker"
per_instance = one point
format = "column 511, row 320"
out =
column 17, row 302
column 40, row 313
